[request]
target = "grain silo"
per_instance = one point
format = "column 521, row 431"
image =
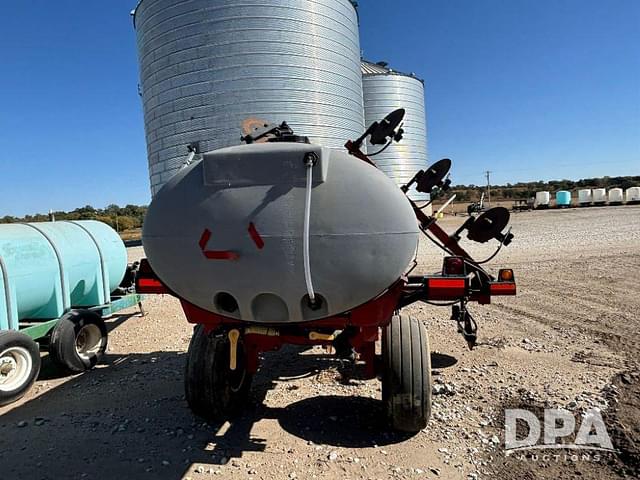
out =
column 206, row 65
column 385, row 90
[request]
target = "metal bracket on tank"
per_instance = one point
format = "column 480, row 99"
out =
column 272, row 132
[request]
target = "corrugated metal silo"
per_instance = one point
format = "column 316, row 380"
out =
column 206, row 65
column 385, row 90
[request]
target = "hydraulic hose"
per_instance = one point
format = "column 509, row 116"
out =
column 309, row 161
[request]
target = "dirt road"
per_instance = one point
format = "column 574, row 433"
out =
column 563, row 341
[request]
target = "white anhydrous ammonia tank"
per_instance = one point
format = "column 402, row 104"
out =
column 226, row 232
column 584, row 196
column 633, row 194
column 543, row 198
column 207, row 65
column 599, row 195
column 615, row 195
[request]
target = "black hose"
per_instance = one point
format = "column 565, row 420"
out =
column 381, row 150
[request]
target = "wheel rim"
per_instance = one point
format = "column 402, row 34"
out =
column 88, row 341
column 15, row 368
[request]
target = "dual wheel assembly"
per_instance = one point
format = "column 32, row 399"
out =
column 76, row 343
column 215, row 392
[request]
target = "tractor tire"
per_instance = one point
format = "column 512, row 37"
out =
column 214, row 391
column 19, row 365
column 78, row 341
column 406, row 374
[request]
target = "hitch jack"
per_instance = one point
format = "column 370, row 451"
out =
column 466, row 324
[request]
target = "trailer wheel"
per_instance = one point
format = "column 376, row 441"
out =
column 406, row 374
column 214, row 391
column 78, row 340
column 19, row 365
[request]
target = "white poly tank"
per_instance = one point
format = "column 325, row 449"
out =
column 599, row 195
column 543, row 199
column 584, row 196
column 615, row 195
column 633, row 194
column 226, row 232
column 207, row 65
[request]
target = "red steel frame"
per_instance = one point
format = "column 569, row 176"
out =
column 366, row 320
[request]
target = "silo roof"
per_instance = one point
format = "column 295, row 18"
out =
column 381, row 68
column 133, row 12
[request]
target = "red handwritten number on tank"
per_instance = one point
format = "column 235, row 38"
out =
column 215, row 254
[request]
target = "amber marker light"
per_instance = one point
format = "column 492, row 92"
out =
column 505, row 275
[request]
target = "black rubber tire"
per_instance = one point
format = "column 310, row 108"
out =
column 62, row 344
column 11, row 339
column 406, row 374
column 213, row 391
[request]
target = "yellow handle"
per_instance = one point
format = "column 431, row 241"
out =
column 321, row 336
column 234, row 335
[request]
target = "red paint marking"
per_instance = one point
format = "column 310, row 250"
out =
column 221, row 255
column 204, row 239
column 255, row 236
column 215, row 254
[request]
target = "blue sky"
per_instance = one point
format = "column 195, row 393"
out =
column 529, row 89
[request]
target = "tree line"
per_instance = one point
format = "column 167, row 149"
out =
column 120, row 218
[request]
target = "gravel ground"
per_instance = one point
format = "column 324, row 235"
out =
column 569, row 339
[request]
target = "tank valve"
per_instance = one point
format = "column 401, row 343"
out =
column 234, row 335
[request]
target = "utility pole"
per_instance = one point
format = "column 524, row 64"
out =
column 487, row 173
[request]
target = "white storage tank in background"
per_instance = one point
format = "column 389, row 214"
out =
column 615, row 195
column 633, row 194
column 205, row 66
column 386, row 90
column 599, row 195
column 584, row 197
column 542, row 199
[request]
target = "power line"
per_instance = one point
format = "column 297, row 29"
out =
column 487, row 174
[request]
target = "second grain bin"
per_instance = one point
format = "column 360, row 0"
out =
column 385, row 90
column 207, row 65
